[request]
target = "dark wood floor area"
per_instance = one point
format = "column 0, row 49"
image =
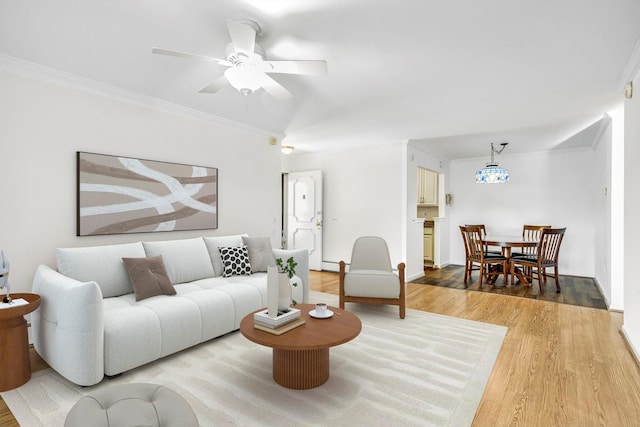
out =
column 580, row 291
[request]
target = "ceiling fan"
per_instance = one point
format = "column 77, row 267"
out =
column 248, row 69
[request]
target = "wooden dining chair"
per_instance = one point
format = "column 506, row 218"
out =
column 483, row 232
column 478, row 255
column 533, row 233
column 469, row 265
column 546, row 256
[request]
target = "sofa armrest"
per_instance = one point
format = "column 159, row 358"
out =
column 68, row 328
column 301, row 256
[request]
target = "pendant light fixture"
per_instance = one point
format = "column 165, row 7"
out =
column 492, row 173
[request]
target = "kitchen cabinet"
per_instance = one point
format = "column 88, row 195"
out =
column 428, row 244
column 427, row 188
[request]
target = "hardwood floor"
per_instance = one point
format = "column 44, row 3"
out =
column 560, row 364
column 575, row 290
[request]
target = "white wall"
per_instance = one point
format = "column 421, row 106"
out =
column 42, row 125
column 631, row 326
column 554, row 188
column 603, row 232
column 363, row 195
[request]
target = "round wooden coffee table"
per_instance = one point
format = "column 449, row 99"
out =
column 15, row 365
column 301, row 355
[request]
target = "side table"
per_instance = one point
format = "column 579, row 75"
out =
column 15, row 366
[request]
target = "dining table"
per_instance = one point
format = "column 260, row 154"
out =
column 507, row 242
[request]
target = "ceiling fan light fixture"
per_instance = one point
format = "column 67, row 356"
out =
column 246, row 79
column 248, row 69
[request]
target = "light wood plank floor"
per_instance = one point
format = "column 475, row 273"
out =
column 560, row 365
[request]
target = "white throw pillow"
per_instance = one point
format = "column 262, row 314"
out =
column 102, row 264
column 213, row 243
column 186, row 260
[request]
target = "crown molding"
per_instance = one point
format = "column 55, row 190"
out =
column 632, row 70
column 51, row 75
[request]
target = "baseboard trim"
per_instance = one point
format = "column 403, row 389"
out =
column 606, row 299
column 634, row 351
column 331, row 266
column 414, row 277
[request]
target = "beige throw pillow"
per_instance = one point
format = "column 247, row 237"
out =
column 148, row 277
column 260, row 253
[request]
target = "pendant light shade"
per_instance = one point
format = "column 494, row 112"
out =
column 492, row 173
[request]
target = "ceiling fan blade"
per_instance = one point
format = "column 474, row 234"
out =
column 189, row 55
column 243, row 35
column 274, row 88
column 216, row 85
column 310, row 68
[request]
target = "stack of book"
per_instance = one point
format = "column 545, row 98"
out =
column 283, row 322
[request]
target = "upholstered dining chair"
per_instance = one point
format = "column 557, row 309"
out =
column 546, row 256
column 370, row 278
column 478, row 255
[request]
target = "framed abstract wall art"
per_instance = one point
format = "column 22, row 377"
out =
column 124, row 195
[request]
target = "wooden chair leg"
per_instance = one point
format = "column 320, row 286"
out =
column 512, row 271
column 467, row 267
column 504, row 271
column 541, row 280
column 341, row 284
column 481, row 276
column 403, row 289
column 557, row 282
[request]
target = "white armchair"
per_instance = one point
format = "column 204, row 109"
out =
column 371, row 279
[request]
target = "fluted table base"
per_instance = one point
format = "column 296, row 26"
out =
column 301, row 369
column 301, row 355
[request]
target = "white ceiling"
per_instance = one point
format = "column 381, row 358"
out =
column 454, row 75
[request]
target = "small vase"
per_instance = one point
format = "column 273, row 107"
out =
column 284, row 292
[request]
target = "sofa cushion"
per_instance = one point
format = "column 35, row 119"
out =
column 102, row 264
column 235, row 261
column 186, row 260
column 148, row 277
column 213, row 243
column 260, row 253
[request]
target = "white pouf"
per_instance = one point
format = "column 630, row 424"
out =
column 125, row 405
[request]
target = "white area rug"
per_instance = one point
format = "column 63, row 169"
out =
column 424, row 370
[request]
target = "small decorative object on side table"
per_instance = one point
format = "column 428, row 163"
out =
column 4, row 276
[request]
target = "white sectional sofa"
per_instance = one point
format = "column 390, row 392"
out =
column 90, row 324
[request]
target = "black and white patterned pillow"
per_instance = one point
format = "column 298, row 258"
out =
column 235, row 261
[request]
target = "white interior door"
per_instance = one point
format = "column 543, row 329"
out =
column 304, row 215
